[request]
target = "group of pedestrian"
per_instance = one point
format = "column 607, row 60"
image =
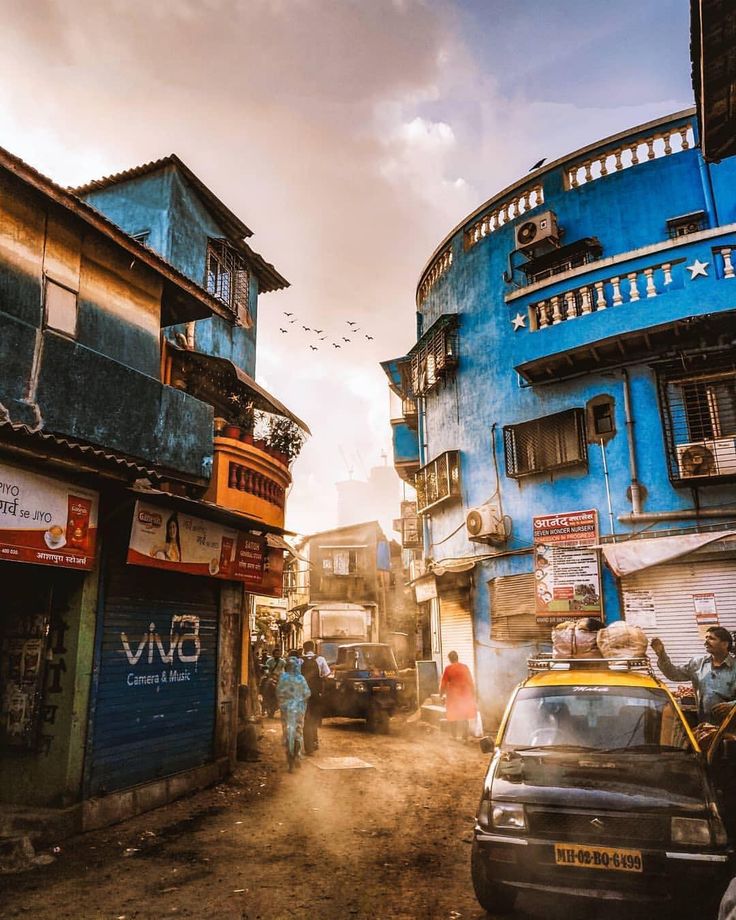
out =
column 298, row 685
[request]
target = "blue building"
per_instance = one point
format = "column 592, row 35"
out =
column 568, row 412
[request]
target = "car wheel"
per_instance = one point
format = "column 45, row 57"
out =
column 493, row 898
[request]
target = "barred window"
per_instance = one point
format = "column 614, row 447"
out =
column 700, row 425
column 545, row 444
column 438, row 481
column 227, row 279
column 434, row 356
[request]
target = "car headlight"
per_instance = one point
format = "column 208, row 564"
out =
column 508, row 816
column 399, row 686
column 692, row 831
column 359, row 686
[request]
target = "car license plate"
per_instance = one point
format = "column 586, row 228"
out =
column 611, row 858
column 381, row 689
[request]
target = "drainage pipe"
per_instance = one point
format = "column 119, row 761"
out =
column 689, row 514
column 634, row 487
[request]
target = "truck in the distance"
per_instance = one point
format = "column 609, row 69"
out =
column 330, row 625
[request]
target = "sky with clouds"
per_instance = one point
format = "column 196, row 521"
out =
column 350, row 135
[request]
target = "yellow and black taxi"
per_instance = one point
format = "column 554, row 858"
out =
column 597, row 788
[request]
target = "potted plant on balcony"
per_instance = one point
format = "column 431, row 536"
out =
column 241, row 418
column 285, row 438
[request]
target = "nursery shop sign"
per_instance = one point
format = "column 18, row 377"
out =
column 165, row 539
column 567, row 566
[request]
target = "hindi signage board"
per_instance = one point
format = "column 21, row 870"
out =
column 46, row 521
column 567, row 566
column 166, row 539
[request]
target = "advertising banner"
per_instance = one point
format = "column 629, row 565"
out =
column 46, row 521
column 567, row 566
column 165, row 539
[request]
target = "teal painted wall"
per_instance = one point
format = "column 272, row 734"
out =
column 180, row 226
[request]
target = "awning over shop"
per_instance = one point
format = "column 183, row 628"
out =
column 261, row 398
column 635, row 555
column 277, row 542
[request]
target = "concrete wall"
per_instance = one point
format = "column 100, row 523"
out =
column 101, row 384
column 180, row 225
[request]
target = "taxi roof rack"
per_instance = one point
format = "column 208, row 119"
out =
column 548, row 663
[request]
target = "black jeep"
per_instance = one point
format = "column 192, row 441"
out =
column 364, row 685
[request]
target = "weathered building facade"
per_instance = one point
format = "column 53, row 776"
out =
column 570, row 421
column 126, row 561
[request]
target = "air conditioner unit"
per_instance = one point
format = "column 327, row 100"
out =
column 486, row 524
column 701, row 459
column 538, row 231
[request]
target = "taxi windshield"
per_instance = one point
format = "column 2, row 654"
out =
column 595, row 718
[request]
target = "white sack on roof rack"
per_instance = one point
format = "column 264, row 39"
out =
column 635, row 555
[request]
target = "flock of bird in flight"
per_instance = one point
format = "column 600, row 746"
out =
column 322, row 335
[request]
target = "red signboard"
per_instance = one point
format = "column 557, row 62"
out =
column 166, row 539
column 46, row 521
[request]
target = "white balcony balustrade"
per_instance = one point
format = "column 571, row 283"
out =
column 490, row 222
column 640, row 285
column 605, row 162
column 438, row 268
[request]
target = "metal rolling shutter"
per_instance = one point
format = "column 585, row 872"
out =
column 154, row 710
column 672, row 587
column 513, row 613
column 456, row 627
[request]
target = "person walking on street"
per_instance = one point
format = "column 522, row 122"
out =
column 292, row 693
column 314, row 670
column 713, row 675
column 274, row 668
column 458, row 690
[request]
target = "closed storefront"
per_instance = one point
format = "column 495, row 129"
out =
column 156, row 694
column 678, row 601
column 456, row 622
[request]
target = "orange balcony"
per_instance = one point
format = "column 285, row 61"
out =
column 250, row 479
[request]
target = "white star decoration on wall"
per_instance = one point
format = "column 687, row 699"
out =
column 698, row 268
column 519, row 322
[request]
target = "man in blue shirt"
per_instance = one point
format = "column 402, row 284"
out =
column 713, row 676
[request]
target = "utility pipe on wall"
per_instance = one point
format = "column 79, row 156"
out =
column 689, row 514
column 635, row 487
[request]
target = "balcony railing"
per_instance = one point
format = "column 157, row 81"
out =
column 250, row 479
column 629, row 288
column 601, row 163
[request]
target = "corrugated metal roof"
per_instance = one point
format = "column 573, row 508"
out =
column 262, row 398
column 270, row 278
column 82, row 449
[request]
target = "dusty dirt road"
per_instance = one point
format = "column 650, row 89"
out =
column 392, row 841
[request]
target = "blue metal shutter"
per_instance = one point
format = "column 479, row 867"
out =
column 156, row 693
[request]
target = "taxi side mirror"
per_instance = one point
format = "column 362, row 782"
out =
column 487, row 745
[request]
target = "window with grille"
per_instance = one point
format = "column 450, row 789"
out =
column 699, row 413
column 227, row 279
column 546, row 444
column 438, row 481
column 434, row 357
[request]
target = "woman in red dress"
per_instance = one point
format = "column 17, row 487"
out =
column 458, row 689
